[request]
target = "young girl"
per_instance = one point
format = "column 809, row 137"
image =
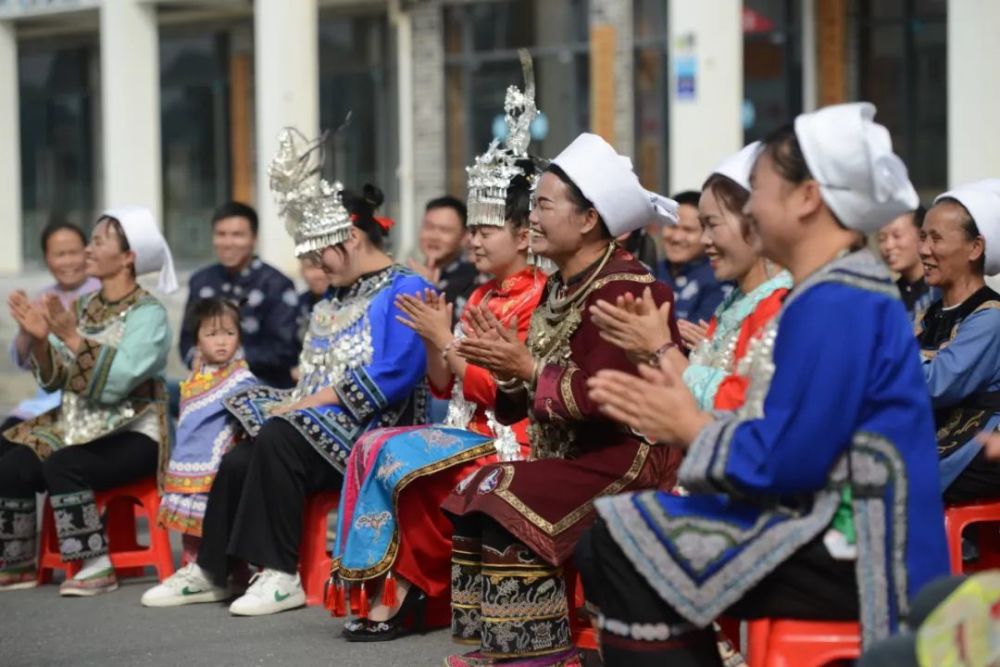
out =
column 205, row 431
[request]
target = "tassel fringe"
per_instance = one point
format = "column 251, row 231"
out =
column 389, row 597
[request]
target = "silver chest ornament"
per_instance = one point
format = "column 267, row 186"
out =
column 339, row 339
column 757, row 365
column 82, row 419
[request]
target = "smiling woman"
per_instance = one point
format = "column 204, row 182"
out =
column 960, row 334
column 107, row 353
column 899, row 243
column 686, row 269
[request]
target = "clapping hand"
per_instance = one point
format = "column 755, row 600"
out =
column 635, row 325
column 692, row 334
column 491, row 345
column 658, row 404
column 61, row 321
column 28, row 316
column 428, row 314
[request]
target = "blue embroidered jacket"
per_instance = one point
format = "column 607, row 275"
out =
column 356, row 346
column 837, row 409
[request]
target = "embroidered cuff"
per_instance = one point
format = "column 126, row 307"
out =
column 57, row 377
column 360, row 396
column 704, row 465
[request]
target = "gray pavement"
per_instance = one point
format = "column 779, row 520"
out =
column 38, row 628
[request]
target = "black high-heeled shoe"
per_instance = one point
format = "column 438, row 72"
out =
column 414, row 606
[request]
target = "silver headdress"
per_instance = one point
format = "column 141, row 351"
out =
column 493, row 171
column 314, row 215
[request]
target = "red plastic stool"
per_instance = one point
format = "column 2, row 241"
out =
column 128, row 557
column 583, row 634
column 788, row 643
column 957, row 518
column 314, row 559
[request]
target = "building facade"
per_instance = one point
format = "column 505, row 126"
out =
column 177, row 104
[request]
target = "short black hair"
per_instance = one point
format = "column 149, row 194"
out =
column 209, row 309
column 235, row 209
column 58, row 226
column 918, row 216
column 689, row 197
column 452, row 202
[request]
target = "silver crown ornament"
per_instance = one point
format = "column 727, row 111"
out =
column 490, row 176
column 314, row 215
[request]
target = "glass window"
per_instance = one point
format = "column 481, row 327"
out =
column 354, row 54
column 651, row 85
column 772, row 66
column 57, row 96
column 481, row 61
column 902, row 67
column 194, row 117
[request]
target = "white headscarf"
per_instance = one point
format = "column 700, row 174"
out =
column 144, row 239
column 606, row 179
column 863, row 182
column 982, row 200
column 737, row 167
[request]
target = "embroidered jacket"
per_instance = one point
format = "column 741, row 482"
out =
column 205, row 431
column 355, row 346
column 960, row 348
column 738, row 321
column 569, row 349
column 114, row 381
column 835, row 402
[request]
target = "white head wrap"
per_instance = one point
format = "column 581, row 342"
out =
column 144, row 238
column 863, row 182
column 737, row 167
column 982, row 200
column 606, row 179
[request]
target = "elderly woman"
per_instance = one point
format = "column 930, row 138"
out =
column 959, row 335
column 63, row 245
column 817, row 499
column 107, row 354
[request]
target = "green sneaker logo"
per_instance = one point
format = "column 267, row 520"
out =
column 278, row 597
column 188, row 591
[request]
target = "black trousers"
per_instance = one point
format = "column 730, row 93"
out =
column 70, row 476
column 979, row 481
column 809, row 585
column 255, row 507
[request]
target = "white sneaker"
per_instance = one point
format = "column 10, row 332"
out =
column 270, row 592
column 188, row 585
